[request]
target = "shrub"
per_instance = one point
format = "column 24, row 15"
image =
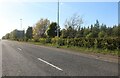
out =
column 36, row 40
column 60, row 41
column 42, row 40
column 100, row 43
column 48, row 40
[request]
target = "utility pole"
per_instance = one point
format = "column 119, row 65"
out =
column 58, row 20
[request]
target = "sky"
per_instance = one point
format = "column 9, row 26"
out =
column 31, row 12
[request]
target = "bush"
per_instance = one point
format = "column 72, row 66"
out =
column 48, row 40
column 42, row 40
column 54, row 40
column 60, row 41
column 100, row 43
column 36, row 40
column 117, row 42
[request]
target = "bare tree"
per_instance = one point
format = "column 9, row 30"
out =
column 75, row 22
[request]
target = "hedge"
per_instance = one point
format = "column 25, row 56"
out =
column 100, row 43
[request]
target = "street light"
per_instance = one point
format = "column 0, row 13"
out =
column 21, row 23
column 58, row 20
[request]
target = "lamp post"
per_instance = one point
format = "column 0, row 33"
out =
column 21, row 23
column 58, row 19
column 22, row 35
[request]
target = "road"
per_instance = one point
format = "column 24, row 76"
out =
column 23, row 59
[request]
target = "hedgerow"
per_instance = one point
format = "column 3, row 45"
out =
column 99, row 43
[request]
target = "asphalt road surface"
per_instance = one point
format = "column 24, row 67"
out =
column 23, row 59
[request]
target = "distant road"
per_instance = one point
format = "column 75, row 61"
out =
column 22, row 59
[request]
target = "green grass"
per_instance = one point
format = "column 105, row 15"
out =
column 91, row 50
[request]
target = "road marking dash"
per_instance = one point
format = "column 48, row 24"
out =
column 50, row 64
column 19, row 49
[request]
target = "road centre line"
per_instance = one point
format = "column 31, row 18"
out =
column 50, row 64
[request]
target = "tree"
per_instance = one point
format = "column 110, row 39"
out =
column 115, row 31
column 52, row 30
column 74, row 22
column 80, row 33
column 103, row 28
column 17, row 34
column 118, row 30
column 40, row 28
column 64, row 33
column 86, row 31
column 71, row 32
column 29, row 33
column 109, row 31
column 72, row 25
column 95, row 29
column 91, row 28
column 3, row 37
column 7, row 36
column 13, row 34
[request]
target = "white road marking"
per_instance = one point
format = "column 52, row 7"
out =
column 105, row 60
column 50, row 64
column 19, row 49
column 97, row 58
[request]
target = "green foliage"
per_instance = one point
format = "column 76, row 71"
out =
column 36, row 40
column 60, row 41
column 15, row 35
column 96, row 36
column 7, row 36
column 42, row 40
column 86, row 32
column 3, row 37
column 64, row 33
column 95, row 30
column 52, row 30
column 90, row 35
column 101, row 34
column 98, row 43
column 29, row 33
column 54, row 40
column 48, row 40
column 69, row 33
column 118, row 29
column 40, row 28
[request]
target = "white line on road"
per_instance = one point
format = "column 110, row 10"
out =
column 19, row 49
column 50, row 64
